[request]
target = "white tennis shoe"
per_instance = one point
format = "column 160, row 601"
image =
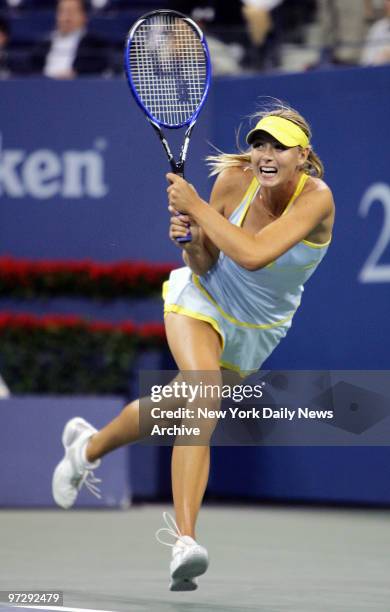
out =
column 74, row 470
column 189, row 559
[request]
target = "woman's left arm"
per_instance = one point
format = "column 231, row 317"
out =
column 254, row 251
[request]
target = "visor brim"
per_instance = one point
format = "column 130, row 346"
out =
column 284, row 139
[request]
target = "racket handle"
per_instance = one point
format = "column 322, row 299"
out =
column 188, row 237
column 184, row 239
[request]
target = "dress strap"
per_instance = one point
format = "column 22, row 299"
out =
column 297, row 192
column 241, row 209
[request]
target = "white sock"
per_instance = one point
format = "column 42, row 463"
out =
column 82, row 443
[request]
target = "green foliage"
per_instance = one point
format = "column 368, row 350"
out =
column 67, row 355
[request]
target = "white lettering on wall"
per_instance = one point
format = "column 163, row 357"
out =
column 44, row 174
column 373, row 271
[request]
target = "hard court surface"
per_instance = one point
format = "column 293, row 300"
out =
column 265, row 559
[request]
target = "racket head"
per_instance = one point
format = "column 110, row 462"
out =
column 168, row 68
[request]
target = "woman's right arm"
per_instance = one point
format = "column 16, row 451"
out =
column 201, row 254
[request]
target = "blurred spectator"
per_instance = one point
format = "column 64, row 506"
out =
column 343, row 26
column 12, row 56
column 263, row 20
column 71, row 50
column 4, row 391
column 376, row 50
column 252, row 25
column 258, row 18
column 225, row 58
column 259, row 27
column 4, row 48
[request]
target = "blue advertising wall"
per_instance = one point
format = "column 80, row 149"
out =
column 30, row 447
column 82, row 176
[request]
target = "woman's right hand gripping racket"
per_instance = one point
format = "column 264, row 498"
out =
column 168, row 69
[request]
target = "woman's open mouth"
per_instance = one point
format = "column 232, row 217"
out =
column 268, row 170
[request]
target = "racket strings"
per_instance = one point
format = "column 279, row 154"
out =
column 168, row 68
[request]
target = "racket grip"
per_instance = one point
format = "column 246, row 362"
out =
column 187, row 237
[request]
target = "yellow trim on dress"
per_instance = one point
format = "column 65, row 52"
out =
column 165, row 289
column 201, row 317
column 249, row 195
column 235, row 368
column 190, row 313
column 297, row 192
column 251, row 191
column 254, row 186
column 231, row 319
column 195, row 315
column 316, row 245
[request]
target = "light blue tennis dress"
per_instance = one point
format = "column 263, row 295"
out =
column 250, row 310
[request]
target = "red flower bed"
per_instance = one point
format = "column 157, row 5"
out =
column 30, row 279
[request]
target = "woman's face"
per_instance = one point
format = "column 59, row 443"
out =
column 70, row 16
column 272, row 162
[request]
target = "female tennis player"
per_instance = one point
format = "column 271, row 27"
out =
column 265, row 230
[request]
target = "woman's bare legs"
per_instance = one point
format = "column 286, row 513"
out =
column 196, row 347
column 124, row 429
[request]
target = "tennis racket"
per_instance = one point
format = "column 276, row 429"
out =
column 168, row 69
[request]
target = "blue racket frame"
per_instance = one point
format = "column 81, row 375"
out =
column 177, row 167
column 129, row 42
